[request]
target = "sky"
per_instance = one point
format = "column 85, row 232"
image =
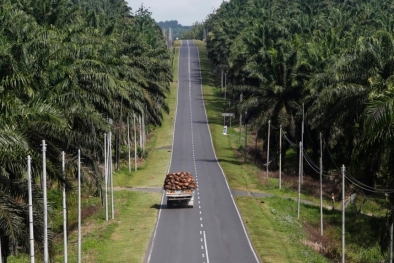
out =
column 187, row 12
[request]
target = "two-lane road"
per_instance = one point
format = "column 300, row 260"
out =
column 212, row 231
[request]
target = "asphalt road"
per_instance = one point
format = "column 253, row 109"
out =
column 212, row 231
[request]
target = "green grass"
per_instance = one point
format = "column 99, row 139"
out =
column 279, row 236
column 275, row 231
column 272, row 223
column 229, row 148
column 124, row 239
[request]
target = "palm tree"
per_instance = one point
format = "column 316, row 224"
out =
column 64, row 70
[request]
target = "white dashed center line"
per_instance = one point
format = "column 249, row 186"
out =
column 203, row 238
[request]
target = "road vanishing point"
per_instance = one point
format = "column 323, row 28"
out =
column 211, row 231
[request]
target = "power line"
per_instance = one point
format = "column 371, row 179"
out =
column 289, row 141
column 313, row 168
column 274, row 127
column 376, row 190
column 358, row 183
column 309, row 135
column 367, row 187
column 329, row 153
column 350, row 178
column 313, row 165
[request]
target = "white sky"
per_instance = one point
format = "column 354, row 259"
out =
column 187, row 12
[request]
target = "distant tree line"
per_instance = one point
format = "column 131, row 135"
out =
column 177, row 29
column 195, row 32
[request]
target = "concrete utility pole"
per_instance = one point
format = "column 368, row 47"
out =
column 1, row 257
column 64, row 208
column 299, row 183
column 165, row 37
column 268, row 145
column 44, row 192
column 128, row 141
column 106, row 143
column 111, row 176
column 225, row 84
column 343, row 213
column 140, row 121
column 391, row 242
column 169, row 37
column 135, row 147
column 321, row 186
column 302, row 140
column 221, row 80
column 280, row 157
column 31, row 226
column 240, row 120
column 245, row 138
column 143, row 132
column 79, row 207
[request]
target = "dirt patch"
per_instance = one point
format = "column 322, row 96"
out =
column 116, row 237
column 326, row 246
column 332, row 187
column 85, row 213
column 168, row 147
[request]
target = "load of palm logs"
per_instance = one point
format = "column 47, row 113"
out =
column 179, row 181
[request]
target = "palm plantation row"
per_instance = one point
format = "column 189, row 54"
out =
column 69, row 72
column 329, row 56
column 333, row 57
column 331, row 60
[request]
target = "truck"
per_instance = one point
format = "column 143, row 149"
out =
column 179, row 188
column 180, row 198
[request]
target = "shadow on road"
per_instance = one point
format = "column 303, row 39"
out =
column 158, row 206
column 219, row 160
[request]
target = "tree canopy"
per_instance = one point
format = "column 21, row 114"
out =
column 331, row 59
column 68, row 69
column 334, row 57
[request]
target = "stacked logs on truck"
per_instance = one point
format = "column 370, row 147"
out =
column 179, row 181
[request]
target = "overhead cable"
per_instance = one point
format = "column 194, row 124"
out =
column 369, row 187
column 311, row 163
column 358, row 183
column 274, row 127
column 373, row 190
column 289, row 141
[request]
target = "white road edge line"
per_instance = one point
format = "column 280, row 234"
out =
column 225, row 179
column 169, row 166
column 195, row 166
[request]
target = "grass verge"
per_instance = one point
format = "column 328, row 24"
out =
column 276, row 233
column 124, row 239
